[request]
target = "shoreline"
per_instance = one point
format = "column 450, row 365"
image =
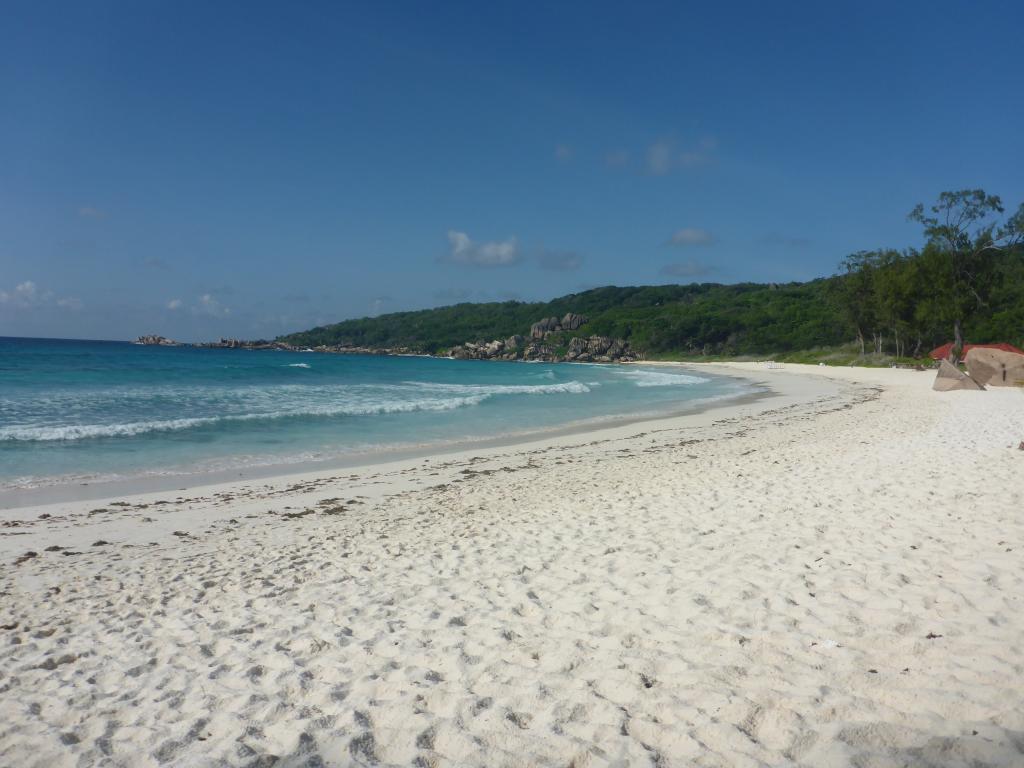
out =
column 89, row 489
column 81, row 502
column 827, row 576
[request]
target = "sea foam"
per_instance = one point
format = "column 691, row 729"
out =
column 657, row 379
column 319, row 402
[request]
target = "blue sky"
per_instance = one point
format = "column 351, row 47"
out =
column 207, row 169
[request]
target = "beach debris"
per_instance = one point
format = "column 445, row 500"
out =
column 995, row 367
column 26, row 557
column 932, row 636
column 1021, row 446
column 950, row 378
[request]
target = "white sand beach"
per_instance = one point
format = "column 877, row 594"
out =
column 830, row 576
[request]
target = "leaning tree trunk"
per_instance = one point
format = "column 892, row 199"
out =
column 958, row 340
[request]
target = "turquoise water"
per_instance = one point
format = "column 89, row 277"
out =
column 73, row 411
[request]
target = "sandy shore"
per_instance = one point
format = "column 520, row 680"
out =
column 830, row 576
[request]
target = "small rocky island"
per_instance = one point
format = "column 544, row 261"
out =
column 153, row 340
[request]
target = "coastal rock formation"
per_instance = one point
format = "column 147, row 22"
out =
column 543, row 327
column 153, row 340
column 950, row 377
column 599, row 349
column 995, row 368
column 570, row 322
column 595, row 349
column 338, row 349
column 248, row 344
column 543, row 346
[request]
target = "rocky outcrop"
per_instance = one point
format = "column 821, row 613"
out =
column 542, row 328
column 572, row 321
column 540, row 345
column 513, row 348
column 599, row 349
column 950, row 378
column 157, row 341
column 548, row 325
column 595, row 349
column 338, row 349
column 995, row 367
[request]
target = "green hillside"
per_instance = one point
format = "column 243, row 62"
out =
column 723, row 319
column 703, row 319
column 966, row 282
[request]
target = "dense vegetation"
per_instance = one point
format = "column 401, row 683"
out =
column 966, row 283
column 699, row 318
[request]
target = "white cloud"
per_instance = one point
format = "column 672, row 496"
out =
column 663, row 156
column 26, row 295
column 463, row 250
column 691, row 236
column 208, row 305
column 174, row 304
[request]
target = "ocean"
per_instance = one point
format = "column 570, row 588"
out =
column 74, row 412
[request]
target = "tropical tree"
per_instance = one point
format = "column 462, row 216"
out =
column 856, row 294
column 965, row 232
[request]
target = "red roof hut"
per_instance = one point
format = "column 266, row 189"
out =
column 942, row 353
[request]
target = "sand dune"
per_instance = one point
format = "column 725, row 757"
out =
column 828, row 577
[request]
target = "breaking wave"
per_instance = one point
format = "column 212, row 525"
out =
column 426, row 397
column 81, row 432
column 567, row 387
column 657, row 379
